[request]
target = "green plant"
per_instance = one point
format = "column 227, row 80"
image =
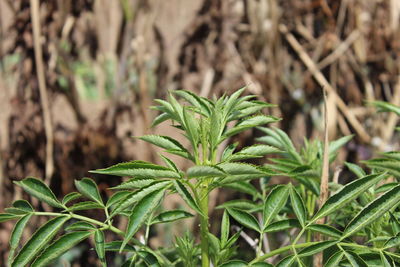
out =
column 361, row 211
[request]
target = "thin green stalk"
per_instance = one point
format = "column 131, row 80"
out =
column 279, row 251
column 205, row 259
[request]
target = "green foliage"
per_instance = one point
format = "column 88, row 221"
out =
column 363, row 210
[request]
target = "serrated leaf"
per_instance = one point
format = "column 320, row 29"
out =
column 228, row 151
column 16, row 236
column 236, row 168
column 139, row 169
column 116, row 246
column 70, row 197
column 59, row 247
column 80, row 226
column 169, row 163
column 348, row 193
column 85, row 205
column 40, row 190
column 140, row 213
column 245, row 219
column 38, row 240
column 192, row 126
column 250, row 122
column 225, row 226
column 325, row 230
column 241, row 204
column 162, row 141
column 88, row 188
column 117, row 197
column 160, row 118
column 187, row 197
column 373, row 211
column 315, row 248
column 134, row 183
column 298, row 206
column 100, row 245
column 171, row 216
column 392, row 242
column 195, row 100
column 384, row 164
column 245, row 187
column 205, row 171
column 282, row 225
column 7, row 216
column 334, row 260
column 354, row 259
column 274, row 202
column 136, row 196
column 254, row 151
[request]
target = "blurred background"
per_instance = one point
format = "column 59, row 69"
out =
column 100, row 63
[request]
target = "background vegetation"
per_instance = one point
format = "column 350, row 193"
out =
column 104, row 62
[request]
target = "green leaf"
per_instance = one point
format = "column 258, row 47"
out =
column 275, row 201
column 140, row 213
column 325, row 230
column 245, row 187
column 225, row 226
column 250, row 122
column 298, row 206
column 287, row 261
column 139, row 169
column 373, row 211
column 392, row 242
column 228, row 151
column 234, row 263
column 245, row 219
column 354, row 259
column 40, row 190
column 115, row 246
column 205, row 171
column 170, row 216
column 385, row 187
column 99, row 245
column 16, row 236
column 192, row 126
column 59, row 247
column 383, row 106
column 236, row 168
column 195, row 100
column 169, row 163
column 85, row 205
column 384, row 164
column 315, row 248
column 334, row 260
column 150, row 259
column 38, row 240
column 334, row 146
column 162, row 141
column 261, row 264
column 254, row 151
column 117, row 197
column 354, row 168
column 80, row 226
column 187, row 197
column 70, row 197
column 88, row 188
column 282, row 225
column 134, row 183
column 241, row 204
column 20, row 207
column 385, row 262
column 7, row 216
column 348, row 193
column 160, row 118
column 132, row 198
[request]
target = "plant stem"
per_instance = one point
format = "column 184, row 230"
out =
column 205, row 259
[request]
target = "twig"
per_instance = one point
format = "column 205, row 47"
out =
column 42, row 89
column 246, row 237
column 388, row 131
column 320, row 78
column 324, row 191
column 339, row 51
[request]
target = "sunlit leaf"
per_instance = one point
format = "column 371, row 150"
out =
column 40, row 190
